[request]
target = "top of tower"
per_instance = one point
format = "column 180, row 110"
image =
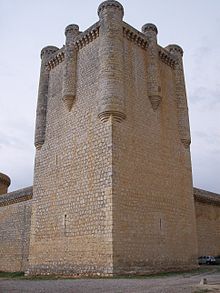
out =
column 48, row 50
column 149, row 27
column 72, row 28
column 110, row 4
column 175, row 49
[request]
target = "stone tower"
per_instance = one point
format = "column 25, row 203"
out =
column 112, row 187
column 5, row 181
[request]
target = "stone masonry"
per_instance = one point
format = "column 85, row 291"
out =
column 15, row 221
column 115, row 157
column 112, row 191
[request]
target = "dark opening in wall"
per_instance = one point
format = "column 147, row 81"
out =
column 65, row 224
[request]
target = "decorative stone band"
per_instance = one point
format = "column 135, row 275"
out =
column 129, row 32
column 166, row 57
column 5, row 179
column 207, row 197
column 56, row 59
column 135, row 36
column 87, row 36
column 81, row 41
column 16, row 196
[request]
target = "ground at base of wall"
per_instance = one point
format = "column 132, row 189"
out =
column 170, row 283
column 203, row 269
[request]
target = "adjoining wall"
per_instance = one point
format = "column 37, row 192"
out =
column 15, row 219
column 207, row 207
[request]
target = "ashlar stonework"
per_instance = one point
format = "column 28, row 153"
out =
column 112, row 191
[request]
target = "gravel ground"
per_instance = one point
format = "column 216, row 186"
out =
column 185, row 283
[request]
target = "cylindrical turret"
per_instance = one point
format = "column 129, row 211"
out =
column 41, row 113
column 182, row 108
column 111, row 78
column 69, row 75
column 153, row 75
column 5, row 181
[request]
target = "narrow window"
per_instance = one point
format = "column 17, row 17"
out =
column 65, row 224
column 160, row 224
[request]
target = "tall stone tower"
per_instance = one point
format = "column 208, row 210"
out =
column 113, row 179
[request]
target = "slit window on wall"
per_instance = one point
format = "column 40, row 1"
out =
column 65, row 224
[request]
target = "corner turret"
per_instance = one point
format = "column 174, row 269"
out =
column 182, row 108
column 153, row 74
column 5, row 181
column 69, row 76
column 41, row 113
column 111, row 52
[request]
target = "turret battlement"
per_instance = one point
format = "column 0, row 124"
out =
column 139, row 38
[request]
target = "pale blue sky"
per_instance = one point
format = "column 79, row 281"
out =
column 28, row 25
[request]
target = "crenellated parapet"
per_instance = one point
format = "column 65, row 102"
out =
column 111, row 70
column 41, row 113
column 182, row 108
column 87, row 36
column 56, row 59
column 80, row 41
column 134, row 36
column 153, row 74
column 166, row 57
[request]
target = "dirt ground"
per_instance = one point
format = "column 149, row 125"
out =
column 181, row 283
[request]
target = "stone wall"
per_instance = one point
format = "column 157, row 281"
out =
column 71, row 229
column 153, row 209
column 207, row 206
column 15, row 218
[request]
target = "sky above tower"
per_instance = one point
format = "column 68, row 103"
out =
column 26, row 26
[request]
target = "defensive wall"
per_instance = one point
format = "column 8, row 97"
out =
column 15, row 220
column 207, row 207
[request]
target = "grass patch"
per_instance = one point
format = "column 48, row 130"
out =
column 12, row 275
column 202, row 291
